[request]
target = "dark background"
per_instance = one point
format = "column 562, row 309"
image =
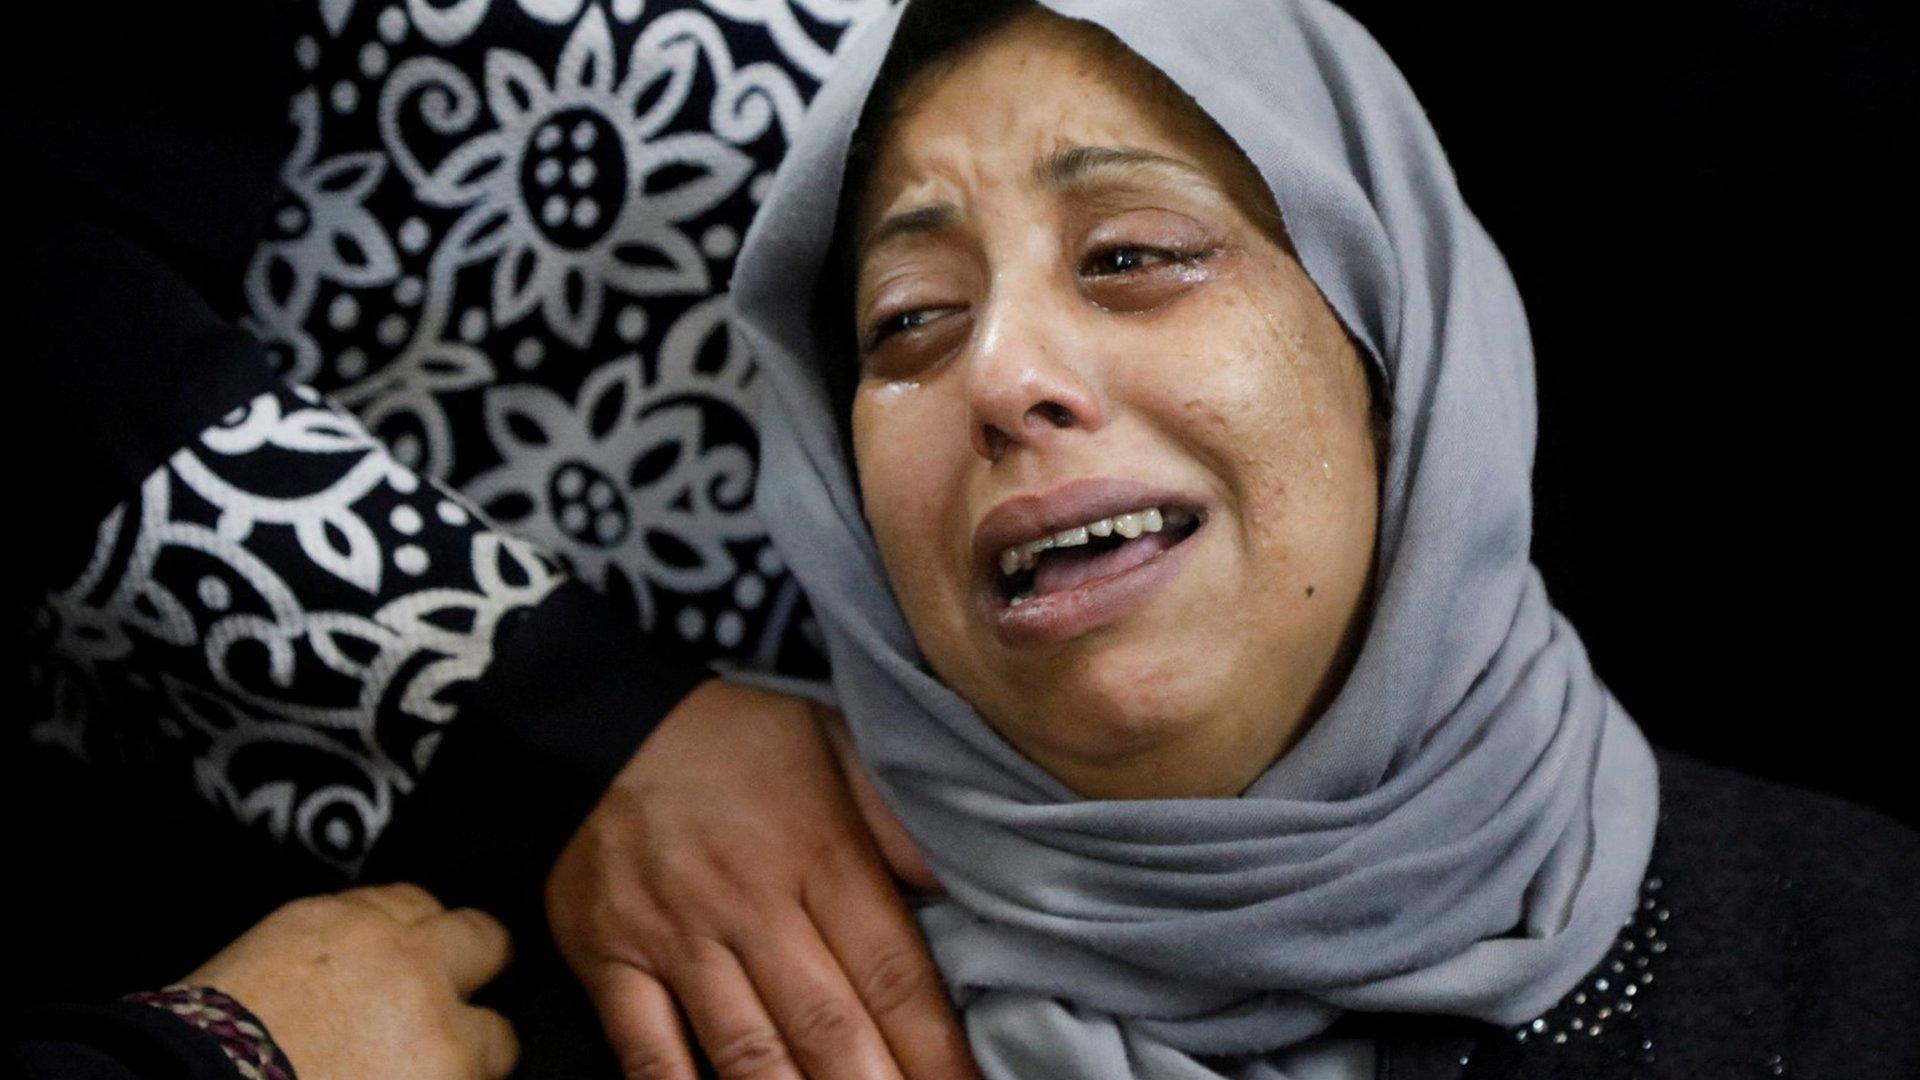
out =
column 1707, row 207
column 1709, row 211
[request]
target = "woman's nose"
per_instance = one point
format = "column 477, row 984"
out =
column 1024, row 385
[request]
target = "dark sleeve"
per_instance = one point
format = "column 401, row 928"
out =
column 122, row 1040
column 567, row 699
column 310, row 622
column 298, row 621
column 142, row 180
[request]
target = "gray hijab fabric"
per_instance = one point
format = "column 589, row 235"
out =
column 1464, row 829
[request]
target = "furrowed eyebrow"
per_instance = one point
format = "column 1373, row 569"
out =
column 923, row 219
column 1074, row 164
column 1061, row 169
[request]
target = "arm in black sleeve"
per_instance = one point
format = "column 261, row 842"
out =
column 133, row 1040
column 312, row 623
column 567, row 699
column 303, row 621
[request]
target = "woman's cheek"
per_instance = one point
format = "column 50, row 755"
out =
column 1242, row 417
column 906, row 495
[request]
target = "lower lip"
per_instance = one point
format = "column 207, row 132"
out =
column 1062, row 616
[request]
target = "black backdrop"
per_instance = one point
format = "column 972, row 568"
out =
column 1707, row 208
column 1708, row 213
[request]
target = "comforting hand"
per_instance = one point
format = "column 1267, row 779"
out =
column 728, row 867
column 372, row 982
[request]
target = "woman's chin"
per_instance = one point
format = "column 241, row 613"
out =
column 1110, row 721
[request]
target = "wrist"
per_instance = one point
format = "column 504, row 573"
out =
column 241, row 1035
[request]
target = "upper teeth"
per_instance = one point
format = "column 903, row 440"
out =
column 1152, row 519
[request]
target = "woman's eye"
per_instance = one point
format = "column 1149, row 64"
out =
column 899, row 324
column 1122, row 260
column 912, row 340
column 1135, row 277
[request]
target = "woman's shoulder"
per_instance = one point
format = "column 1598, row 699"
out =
column 1739, row 830
column 1791, row 929
column 1775, row 935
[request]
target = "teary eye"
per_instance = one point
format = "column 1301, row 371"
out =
column 899, row 323
column 1138, row 277
column 898, row 344
column 1124, row 259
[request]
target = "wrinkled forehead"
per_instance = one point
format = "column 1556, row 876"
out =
column 1041, row 100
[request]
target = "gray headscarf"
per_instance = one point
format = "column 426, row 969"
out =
column 1464, row 829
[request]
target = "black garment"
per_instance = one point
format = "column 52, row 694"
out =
column 1791, row 939
column 214, row 235
column 121, row 1040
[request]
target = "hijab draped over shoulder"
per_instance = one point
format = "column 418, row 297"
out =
column 1463, row 830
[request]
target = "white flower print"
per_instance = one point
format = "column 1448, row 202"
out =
column 619, row 482
column 334, row 14
column 324, row 233
column 283, row 589
column 446, row 23
column 301, row 623
column 796, row 44
column 574, row 189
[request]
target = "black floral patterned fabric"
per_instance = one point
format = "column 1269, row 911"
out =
column 505, row 232
column 492, row 283
column 293, row 605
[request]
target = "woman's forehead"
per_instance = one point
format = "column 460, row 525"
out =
column 1051, row 104
column 1042, row 76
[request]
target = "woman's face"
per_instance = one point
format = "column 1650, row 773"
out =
column 1080, row 325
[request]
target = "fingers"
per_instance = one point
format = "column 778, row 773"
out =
column 404, row 902
column 641, row 1024
column 879, row 946
column 822, row 1020
column 740, row 1039
column 713, row 907
column 468, row 945
column 489, row 1039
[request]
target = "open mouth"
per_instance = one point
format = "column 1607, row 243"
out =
column 1091, row 552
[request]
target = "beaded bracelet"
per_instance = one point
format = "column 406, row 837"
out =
column 241, row 1035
